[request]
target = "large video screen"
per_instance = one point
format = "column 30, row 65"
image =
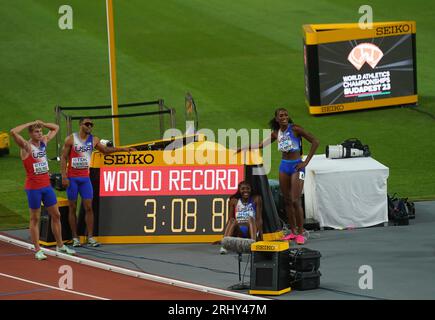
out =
column 366, row 69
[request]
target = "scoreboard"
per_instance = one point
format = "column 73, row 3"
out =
column 172, row 200
column 348, row 68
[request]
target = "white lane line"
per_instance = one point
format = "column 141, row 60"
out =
column 51, row 287
column 136, row 274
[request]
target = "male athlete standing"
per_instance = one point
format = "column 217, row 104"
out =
column 75, row 161
column 34, row 156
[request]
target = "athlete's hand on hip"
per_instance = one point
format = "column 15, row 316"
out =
column 65, row 182
column 300, row 166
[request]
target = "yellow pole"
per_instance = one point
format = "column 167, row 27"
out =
column 112, row 66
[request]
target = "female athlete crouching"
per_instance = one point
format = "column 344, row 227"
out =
column 245, row 215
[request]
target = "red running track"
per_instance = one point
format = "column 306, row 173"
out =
column 22, row 277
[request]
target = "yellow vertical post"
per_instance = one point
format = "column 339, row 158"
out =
column 112, row 66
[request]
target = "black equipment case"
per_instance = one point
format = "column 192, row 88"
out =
column 304, row 268
column 305, row 280
column 304, row 259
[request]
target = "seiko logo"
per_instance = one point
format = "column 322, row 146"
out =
column 265, row 248
column 401, row 28
column 336, row 108
column 82, row 148
column 39, row 154
column 113, row 159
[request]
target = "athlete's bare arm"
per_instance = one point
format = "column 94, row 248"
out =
column 107, row 150
column 54, row 129
column 232, row 208
column 310, row 138
column 261, row 145
column 64, row 159
column 19, row 140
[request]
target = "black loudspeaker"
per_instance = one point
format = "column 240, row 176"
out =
column 46, row 237
column 270, row 268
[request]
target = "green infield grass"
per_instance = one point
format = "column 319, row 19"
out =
column 239, row 59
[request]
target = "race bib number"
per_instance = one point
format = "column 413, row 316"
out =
column 80, row 163
column 242, row 219
column 243, row 216
column 40, row 167
column 285, row 144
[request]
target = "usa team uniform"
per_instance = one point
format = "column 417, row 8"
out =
column 37, row 185
column 78, row 168
column 242, row 214
column 288, row 142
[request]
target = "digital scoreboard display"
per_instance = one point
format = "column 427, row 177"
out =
column 366, row 69
column 174, row 200
column 360, row 72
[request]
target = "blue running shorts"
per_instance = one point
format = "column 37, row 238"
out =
column 245, row 231
column 289, row 166
column 79, row 185
column 46, row 195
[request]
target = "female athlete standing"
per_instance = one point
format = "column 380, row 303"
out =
column 292, row 167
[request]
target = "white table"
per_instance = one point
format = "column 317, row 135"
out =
column 343, row 193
